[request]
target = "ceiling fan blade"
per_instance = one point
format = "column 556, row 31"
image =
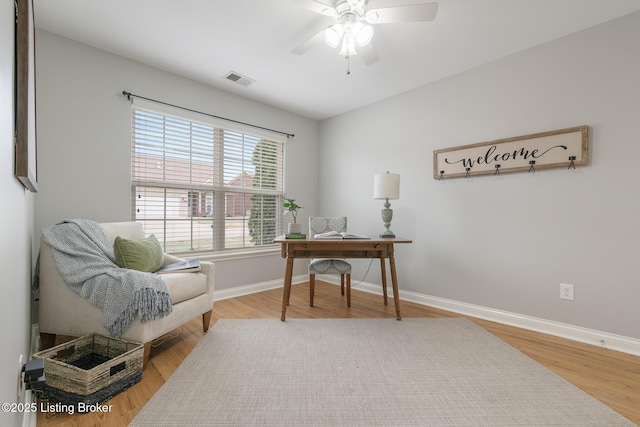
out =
column 314, row 41
column 410, row 13
column 368, row 53
column 317, row 6
column 321, row 6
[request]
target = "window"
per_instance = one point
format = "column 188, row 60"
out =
column 199, row 186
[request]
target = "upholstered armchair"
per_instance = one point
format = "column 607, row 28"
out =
column 63, row 312
column 318, row 225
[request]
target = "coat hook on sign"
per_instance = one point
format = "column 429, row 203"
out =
column 572, row 165
column 531, row 163
column 467, row 175
column 441, row 176
column 497, row 172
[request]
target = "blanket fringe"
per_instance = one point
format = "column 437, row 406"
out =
column 148, row 303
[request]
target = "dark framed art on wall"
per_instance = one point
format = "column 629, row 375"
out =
column 26, row 151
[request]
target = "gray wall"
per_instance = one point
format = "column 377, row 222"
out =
column 16, row 230
column 84, row 127
column 507, row 243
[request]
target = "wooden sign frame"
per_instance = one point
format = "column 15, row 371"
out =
column 555, row 149
column 26, row 156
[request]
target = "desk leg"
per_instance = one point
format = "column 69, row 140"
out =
column 383, row 270
column 394, row 282
column 286, row 292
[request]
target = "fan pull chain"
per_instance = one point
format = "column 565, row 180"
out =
column 348, row 65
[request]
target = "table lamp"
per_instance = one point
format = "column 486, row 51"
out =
column 386, row 186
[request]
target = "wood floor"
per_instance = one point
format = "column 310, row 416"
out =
column 609, row 376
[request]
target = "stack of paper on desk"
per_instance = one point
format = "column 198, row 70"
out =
column 335, row 235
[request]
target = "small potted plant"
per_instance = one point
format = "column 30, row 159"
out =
column 291, row 206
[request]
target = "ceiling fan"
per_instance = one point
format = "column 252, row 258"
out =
column 353, row 31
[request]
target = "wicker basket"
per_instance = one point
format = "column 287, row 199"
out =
column 91, row 369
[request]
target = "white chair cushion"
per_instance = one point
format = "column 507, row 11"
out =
column 329, row 266
column 184, row 286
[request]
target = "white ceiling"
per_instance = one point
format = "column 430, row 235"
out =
column 205, row 39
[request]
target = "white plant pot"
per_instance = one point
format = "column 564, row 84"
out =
column 294, row 228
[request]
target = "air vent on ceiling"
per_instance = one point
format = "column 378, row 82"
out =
column 238, row 78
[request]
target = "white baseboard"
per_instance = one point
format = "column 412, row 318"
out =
column 563, row 330
column 254, row 288
column 30, row 418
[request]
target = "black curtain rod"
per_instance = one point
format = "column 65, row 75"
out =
column 129, row 95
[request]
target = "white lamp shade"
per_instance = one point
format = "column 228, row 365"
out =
column 386, row 186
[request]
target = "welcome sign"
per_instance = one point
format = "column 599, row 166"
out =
column 560, row 148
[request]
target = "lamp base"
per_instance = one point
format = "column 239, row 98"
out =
column 387, row 215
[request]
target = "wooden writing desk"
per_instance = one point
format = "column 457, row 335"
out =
column 344, row 248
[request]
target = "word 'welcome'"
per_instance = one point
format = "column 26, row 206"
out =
column 491, row 156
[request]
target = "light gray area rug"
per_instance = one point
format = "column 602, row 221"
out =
column 365, row 372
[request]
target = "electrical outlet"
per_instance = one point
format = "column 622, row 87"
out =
column 566, row 291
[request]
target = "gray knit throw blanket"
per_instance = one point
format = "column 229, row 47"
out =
column 86, row 262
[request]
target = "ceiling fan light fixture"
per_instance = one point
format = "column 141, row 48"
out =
column 348, row 47
column 363, row 33
column 333, row 35
column 353, row 32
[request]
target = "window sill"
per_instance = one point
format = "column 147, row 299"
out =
column 231, row 254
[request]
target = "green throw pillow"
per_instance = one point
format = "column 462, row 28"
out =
column 143, row 255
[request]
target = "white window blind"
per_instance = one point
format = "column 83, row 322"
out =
column 200, row 186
